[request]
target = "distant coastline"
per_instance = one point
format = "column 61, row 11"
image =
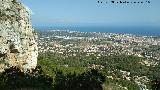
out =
column 142, row 31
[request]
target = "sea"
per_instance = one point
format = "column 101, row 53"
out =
column 142, row 31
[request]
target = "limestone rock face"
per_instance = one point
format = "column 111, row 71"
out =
column 18, row 46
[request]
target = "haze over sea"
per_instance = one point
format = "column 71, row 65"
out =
column 139, row 30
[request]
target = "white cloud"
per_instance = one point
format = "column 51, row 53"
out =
column 29, row 10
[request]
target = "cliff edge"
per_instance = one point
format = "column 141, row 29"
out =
column 18, row 46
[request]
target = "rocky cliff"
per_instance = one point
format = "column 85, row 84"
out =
column 18, row 46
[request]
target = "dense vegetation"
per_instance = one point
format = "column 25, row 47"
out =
column 14, row 78
column 55, row 72
column 112, row 65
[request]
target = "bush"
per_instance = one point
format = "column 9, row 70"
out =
column 90, row 80
column 14, row 78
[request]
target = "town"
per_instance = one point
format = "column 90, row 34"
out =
column 74, row 42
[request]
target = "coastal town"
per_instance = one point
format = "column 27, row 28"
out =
column 71, row 43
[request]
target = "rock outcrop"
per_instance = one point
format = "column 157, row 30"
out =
column 18, row 46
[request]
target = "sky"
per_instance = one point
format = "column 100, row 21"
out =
column 90, row 12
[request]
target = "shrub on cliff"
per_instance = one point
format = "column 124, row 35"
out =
column 14, row 78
